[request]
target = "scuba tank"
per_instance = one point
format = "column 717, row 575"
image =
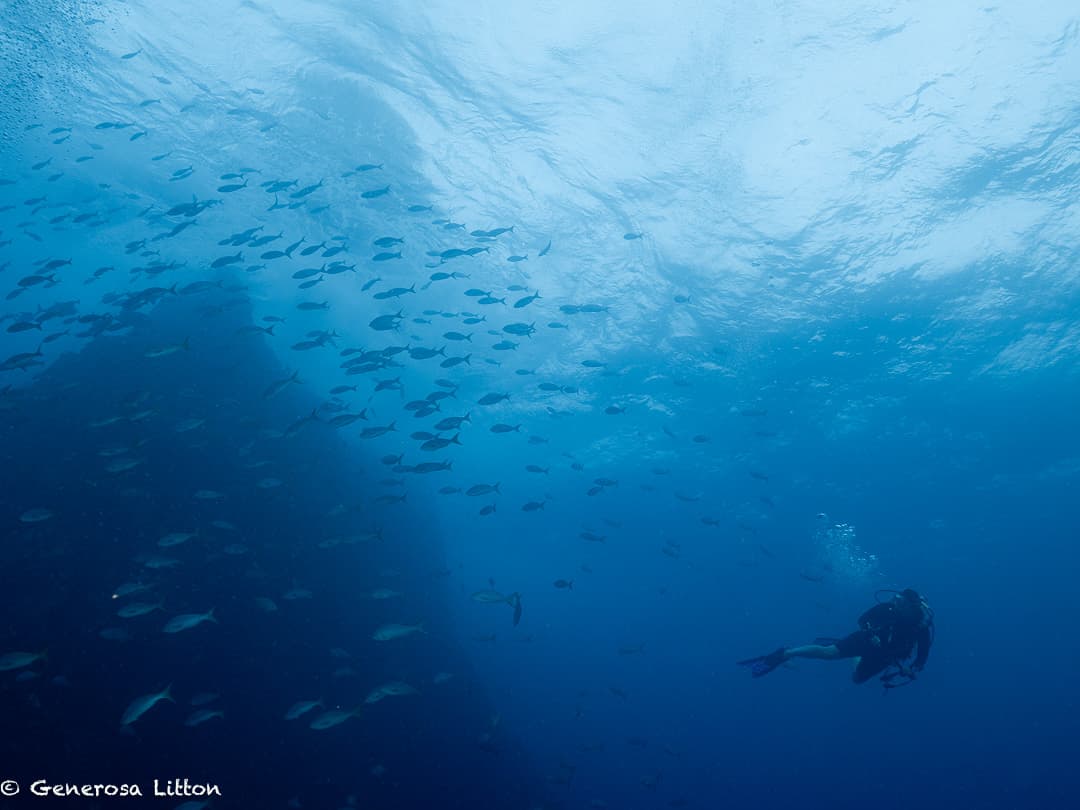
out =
column 898, row 674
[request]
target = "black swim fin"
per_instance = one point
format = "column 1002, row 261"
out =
column 764, row 664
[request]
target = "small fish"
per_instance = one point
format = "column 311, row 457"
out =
column 452, row 422
column 391, row 632
column 520, row 329
column 421, row 353
column 379, row 192
column 186, row 621
column 493, row 597
column 345, row 419
column 18, row 660
column 164, row 351
column 450, row 362
column 395, row 292
column 392, row 689
column 24, row 326
column 279, row 385
column 378, row 430
column 524, row 302
column 129, row 589
column 36, row 515
column 122, row 465
column 334, row 717
column 266, row 605
column 567, row 584
column 384, row 323
column 175, row 539
column 202, row 716
column 438, row 443
column 301, row 708
column 142, row 705
column 34, row 280
column 383, row 593
column 225, row 261
column 296, row 195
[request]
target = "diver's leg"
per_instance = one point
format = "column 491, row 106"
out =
column 847, row 647
column 826, row 652
column 867, row 666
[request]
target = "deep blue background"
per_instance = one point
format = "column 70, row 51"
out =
column 784, row 376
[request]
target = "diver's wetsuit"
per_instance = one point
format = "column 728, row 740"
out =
column 887, row 633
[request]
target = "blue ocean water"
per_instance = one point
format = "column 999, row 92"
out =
column 507, row 372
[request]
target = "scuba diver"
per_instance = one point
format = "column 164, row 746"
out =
column 888, row 634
